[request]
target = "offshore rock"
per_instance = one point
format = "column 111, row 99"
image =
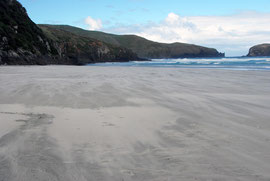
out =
column 259, row 50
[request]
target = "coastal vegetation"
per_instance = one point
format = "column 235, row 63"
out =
column 143, row 47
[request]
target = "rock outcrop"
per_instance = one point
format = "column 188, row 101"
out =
column 21, row 41
column 259, row 50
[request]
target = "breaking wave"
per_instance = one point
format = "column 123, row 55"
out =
column 238, row 63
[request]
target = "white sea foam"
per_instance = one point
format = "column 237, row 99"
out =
column 236, row 63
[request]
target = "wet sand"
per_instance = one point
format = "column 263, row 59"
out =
column 65, row 123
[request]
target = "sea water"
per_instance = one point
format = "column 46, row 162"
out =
column 235, row 63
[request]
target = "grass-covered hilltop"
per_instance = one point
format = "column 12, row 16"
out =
column 22, row 42
column 143, row 47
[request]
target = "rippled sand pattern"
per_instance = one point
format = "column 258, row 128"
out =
column 65, row 123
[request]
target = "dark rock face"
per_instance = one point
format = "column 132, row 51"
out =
column 22, row 42
column 259, row 50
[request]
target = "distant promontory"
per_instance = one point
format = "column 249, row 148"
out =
column 142, row 47
column 259, row 50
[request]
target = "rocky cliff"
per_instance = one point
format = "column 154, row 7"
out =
column 259, row 50
column 22, row 42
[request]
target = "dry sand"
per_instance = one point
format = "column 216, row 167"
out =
column 64, row 123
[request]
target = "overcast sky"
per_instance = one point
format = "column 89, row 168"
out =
column 231, row 26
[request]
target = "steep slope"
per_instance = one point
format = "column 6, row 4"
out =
column 259, row 50
column 22, row 42
column 145, row 48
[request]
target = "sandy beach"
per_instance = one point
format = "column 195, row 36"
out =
column 67, row 123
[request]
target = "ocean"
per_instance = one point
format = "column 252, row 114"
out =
column 234, row 63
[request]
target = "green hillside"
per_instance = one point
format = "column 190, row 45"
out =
column 143, row 47
column 84, row 50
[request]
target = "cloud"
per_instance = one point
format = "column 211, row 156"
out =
column 233, row 34
column 172, row 18
column 93, row 24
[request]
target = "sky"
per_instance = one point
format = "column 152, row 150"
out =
column 230, row 26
